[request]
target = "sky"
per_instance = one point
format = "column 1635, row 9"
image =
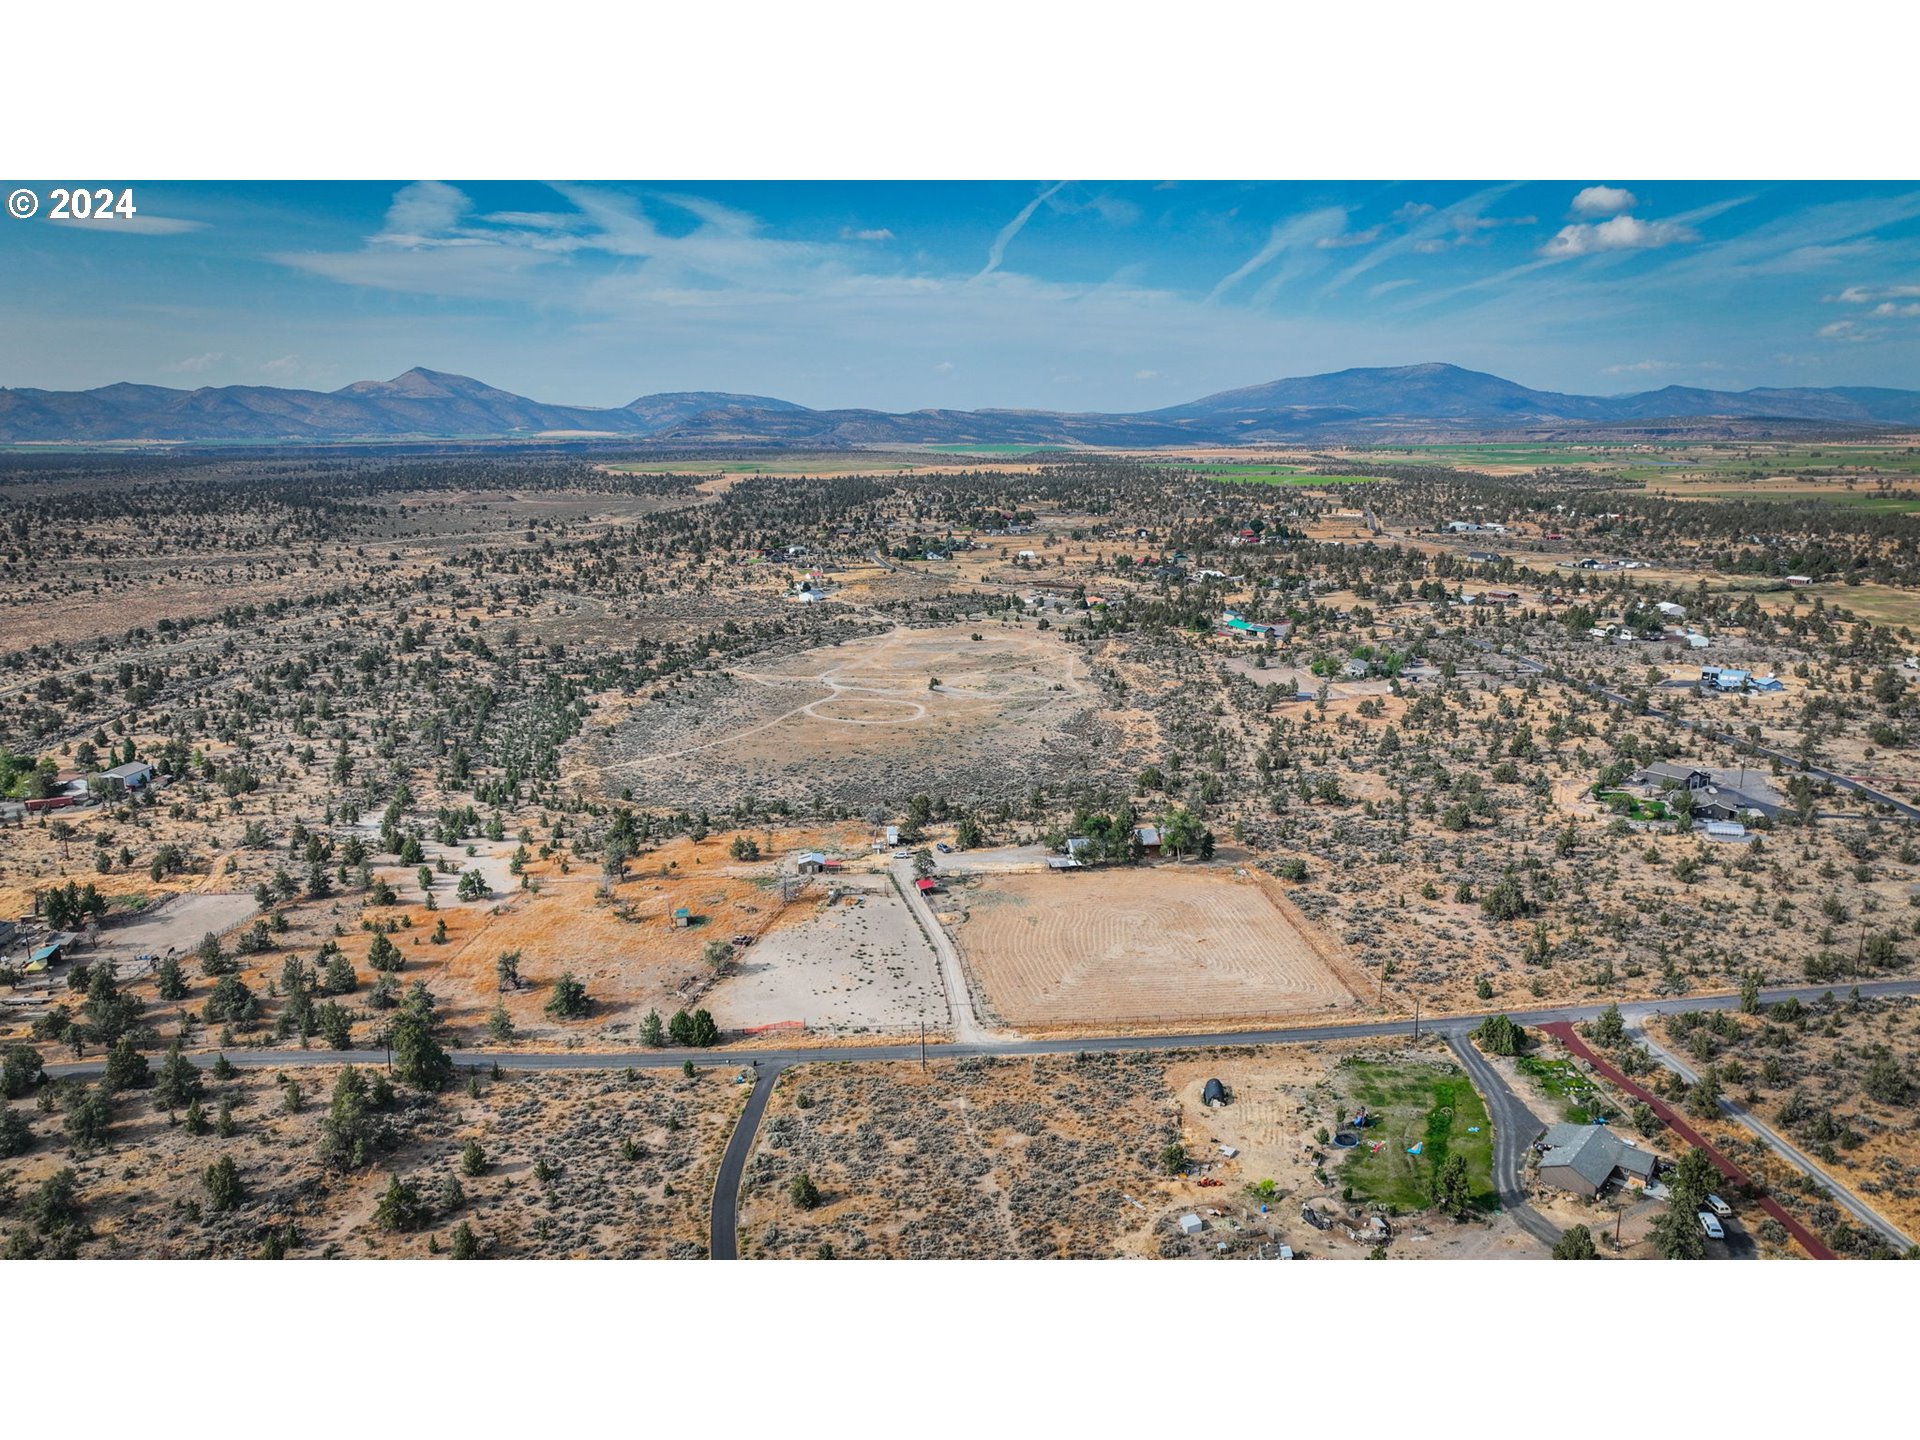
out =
column 1060, row 294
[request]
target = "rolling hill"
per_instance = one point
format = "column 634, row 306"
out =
column 1396, row 401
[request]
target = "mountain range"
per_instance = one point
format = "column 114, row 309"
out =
column 1405, row 402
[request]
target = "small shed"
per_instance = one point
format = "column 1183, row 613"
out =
column 682, row 918
column 810, row 862
column 1191, row 1224
column 1213, row 1093
column 926, row 885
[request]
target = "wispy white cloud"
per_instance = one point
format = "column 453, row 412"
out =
column 195, row 364
column 1660, row 367
column 1427, row 229
column 1871, row 294
column 997, row 251
column 1850, row 330
column 135, row 224
column 1299, row 232
column 847, row 232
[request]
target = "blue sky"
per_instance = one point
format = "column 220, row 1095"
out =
column 1059, row 295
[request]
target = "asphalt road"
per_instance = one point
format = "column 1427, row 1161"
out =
column 1511, row 1117
column 724, row 1220
column 1515, row 1127
column 1636, row 1027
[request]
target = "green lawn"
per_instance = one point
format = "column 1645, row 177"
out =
column 1429, row 1104
column 1632, row 806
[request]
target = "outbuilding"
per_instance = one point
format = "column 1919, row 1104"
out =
column 1213, row 1093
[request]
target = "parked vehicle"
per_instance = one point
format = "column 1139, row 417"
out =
column 1719, row 1207
column 1711, row 1226
column 944, row 848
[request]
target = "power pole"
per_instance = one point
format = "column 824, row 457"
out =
column 923, row 1046
column 1416, row 1017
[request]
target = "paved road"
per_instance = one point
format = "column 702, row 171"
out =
column 724, row 1222
column 967, row 1029
column 1637, row 1028
column 1845, row 782
column 1515, row 1128
column 668, row 1059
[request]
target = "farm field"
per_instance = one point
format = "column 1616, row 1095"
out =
column 1165, row 946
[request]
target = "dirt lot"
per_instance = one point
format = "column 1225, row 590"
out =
column 1163, row 945
column 142, row 1196
column 861, row 721
column 852, row 966
column 1062, row 1156
column 624, row 947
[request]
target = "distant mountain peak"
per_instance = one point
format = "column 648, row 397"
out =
column 1432, row 397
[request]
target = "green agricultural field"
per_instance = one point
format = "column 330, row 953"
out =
column 810, row 464
column 1255, row 473
column 970, row 449
column 1411, row 1102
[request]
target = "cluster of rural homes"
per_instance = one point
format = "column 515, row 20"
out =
column 1711, row 803
column 72, row 787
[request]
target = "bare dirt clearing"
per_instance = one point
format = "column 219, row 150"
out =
column 1130, row 947
column 867, row 720
column 851, row 966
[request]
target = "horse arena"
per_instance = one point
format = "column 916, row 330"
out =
column 1144, row 947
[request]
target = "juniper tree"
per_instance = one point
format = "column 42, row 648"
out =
column 222, row 1182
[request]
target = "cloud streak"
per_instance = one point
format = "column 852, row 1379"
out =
column 997, row 252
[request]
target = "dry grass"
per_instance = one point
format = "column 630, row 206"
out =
column 1165, row 944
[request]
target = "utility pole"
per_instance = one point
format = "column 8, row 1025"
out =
column 1416, row 1017
column 923, row 1045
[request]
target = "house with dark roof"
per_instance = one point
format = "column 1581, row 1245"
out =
column 1664, row 776
column 1585, row 1159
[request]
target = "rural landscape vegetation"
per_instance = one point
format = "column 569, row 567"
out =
column 1395, row 842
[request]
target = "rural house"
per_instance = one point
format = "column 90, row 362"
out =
column 1585, row 1159
column 1661, row 775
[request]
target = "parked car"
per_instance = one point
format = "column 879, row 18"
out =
column 1719, row 1207
column 1711, row 1226
column 944, row 848
column 903, row 854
